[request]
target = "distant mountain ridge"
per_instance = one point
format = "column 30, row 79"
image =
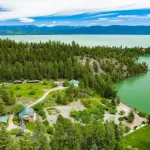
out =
column 58, row 30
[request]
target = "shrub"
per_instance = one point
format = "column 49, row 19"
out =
column 32, row 92
column 17, row 87
column 126, row 129
column 66, row 83
column 112, row 111
column 39, row 109
column 131, row 117
column 75, row 114
column 143, row 122
column 142, row 114
column 18, row 108
column 135, row 127
column 15, row 131
column 16, row 120
column 46, row 123
column 125, row 117
column 45, row 82
column 50, row 130
column 120, row 118
column 121, row 112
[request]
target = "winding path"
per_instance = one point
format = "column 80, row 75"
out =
column 13, row 126
column 45, row 95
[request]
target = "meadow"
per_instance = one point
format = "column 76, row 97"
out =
column 29, row 90
column 139, row 139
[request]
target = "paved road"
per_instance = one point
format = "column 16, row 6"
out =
column 46, row 94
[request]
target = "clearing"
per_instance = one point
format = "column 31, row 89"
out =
column 138, row 140
column 28, row 92
column 53, row 112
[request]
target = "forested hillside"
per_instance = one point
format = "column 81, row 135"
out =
column 97, row 69
column 53, row 60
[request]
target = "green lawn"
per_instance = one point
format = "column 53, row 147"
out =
column 31, row 126
column 93, row 100
column 139, row 139
column 29, row 90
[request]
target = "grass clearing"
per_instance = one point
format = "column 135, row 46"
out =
column 31, row 126
column 139, row 139
column 50, row 100
column 29, row 90
column 92, row 101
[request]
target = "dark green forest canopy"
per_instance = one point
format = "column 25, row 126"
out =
column 53, row 60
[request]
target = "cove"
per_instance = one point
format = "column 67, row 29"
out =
column 135, row 91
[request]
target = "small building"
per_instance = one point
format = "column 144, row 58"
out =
column 17, row 82
column 34, row 81
column 74, row 82
column 4, row 119
column 27, row 114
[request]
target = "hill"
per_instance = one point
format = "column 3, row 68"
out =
column 36, row 30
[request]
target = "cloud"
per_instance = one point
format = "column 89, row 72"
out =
column 35, row 8
column 115, row 20
column 103, row 19
column 134, row 16
column 54, row 22
column 26, row 20
column 102, row 15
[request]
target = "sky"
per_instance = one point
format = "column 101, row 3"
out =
column 74, row 12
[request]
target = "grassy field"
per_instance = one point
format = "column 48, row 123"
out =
column 31, row 126
column 139, row 139
column 29, row 90
column 94, row 100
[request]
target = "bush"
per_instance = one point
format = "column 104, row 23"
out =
column 66, row 83
column 18, row 108
column 126, row 129
column 15, row 131
column 142, row 114
column 16, row 120
column 32, row 92
column 143, row 122
column 112, row 111
column 135, row 127
column 45, row 82
column 125, row 117
column 120, row 118
column 39, row 109
column 121, row 112
column 75, row 114
column 50, row 130
column 17, row 87
column 46, row 123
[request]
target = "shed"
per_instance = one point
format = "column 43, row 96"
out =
column 17, row 82
column 4, row 119
column 74, row 82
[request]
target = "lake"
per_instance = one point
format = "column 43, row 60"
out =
column 135, row 91
column 88, row 40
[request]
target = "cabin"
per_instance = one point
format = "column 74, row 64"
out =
column 74, row 82
column 27, row 114
column 17, row 82
column 4, row 119
column 33, row 81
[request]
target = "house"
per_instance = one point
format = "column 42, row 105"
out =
column 17, row 82
column 74, row 82
column 27, row 114
column 4, row 119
